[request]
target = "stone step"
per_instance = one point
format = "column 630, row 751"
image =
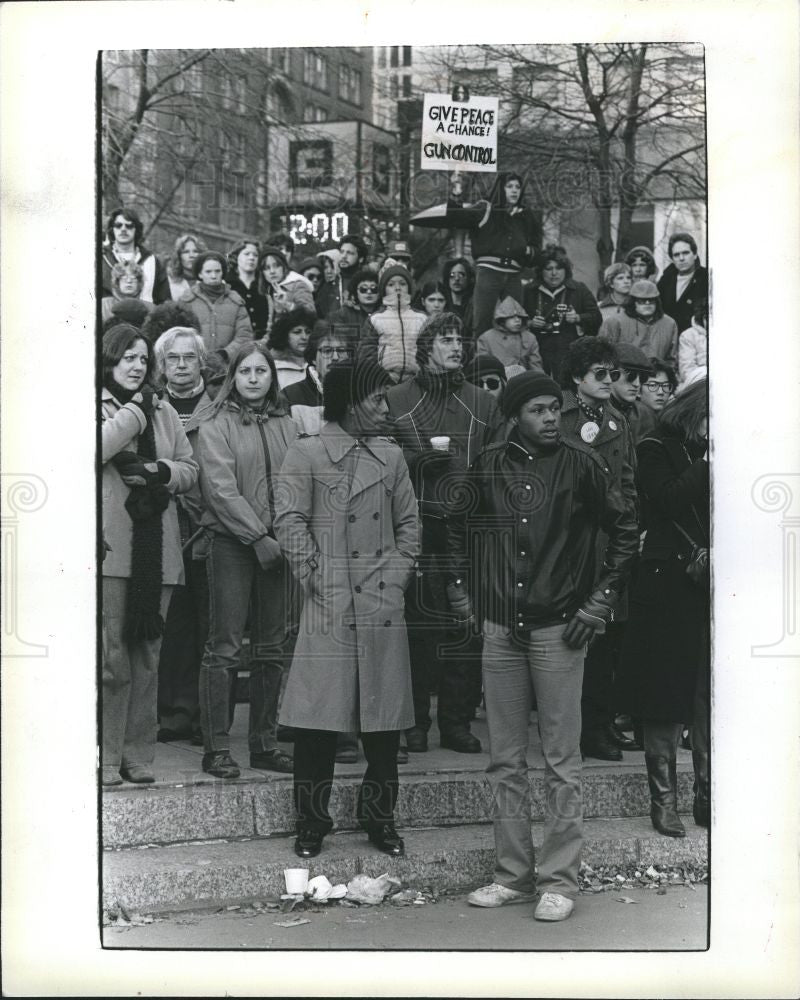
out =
column 197, row 876
column 259, row 804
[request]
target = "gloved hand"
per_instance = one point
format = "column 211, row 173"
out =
column 590, row 619
column 146, row 399
column 268, row 552
column 459, row 601
column 135, row 472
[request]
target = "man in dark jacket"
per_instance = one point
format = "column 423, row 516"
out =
column 124, row 234
column 684, row 284
column 536, row 503
column 439, row 408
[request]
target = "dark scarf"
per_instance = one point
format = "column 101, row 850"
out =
column 590, row 412
column 145, row 505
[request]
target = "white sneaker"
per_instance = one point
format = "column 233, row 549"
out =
column 553, row 906
column 498, row 895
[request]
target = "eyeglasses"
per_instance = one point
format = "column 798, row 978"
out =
column 187, row 359
column 367, row 289
column 124, row 225
column 328, row 352
column 650, row 302
column 661, row 387
column 601, row 374
column 313, row 276
column 491, row 382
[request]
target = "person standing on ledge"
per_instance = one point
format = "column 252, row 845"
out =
column 533, row 507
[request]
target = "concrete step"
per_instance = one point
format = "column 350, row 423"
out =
column 259, row 804
column 195, row 876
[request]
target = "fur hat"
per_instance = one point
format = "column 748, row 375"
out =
column 527, row 386
column 347, row 383
column 644, row 289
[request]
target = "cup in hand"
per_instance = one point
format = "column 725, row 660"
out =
column 441, row 443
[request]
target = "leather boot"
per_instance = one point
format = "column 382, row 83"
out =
column 663, row 779
column 701, row 809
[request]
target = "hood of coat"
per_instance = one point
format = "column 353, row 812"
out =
column 508, row 307
column 294, row 277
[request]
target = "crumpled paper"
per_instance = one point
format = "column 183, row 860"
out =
column 363, row 889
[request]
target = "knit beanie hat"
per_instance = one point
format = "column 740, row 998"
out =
column 644, row 289
column 632, row 358
column 613, row 270
column 273, row 252
column 347, row 383
column 527, row 386
column 481, row 365
column 307, row 264
column 391, row 272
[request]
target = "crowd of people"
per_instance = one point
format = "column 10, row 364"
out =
column 367, row 489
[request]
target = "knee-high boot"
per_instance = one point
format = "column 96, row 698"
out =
column 701, row 808
column 660, row 743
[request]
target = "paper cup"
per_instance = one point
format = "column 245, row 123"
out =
column 440, row 443
column 296, row 880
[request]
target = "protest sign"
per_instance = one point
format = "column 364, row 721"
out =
column 459, row 134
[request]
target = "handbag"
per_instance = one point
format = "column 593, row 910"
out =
column 697, row 569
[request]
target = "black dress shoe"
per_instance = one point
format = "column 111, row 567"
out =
column 416, row 740
column 387, row 839
column 619, row 739
column 308, row 843
column 598, row 745
column 461, row 742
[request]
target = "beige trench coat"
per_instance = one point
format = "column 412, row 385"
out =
column 346, row 519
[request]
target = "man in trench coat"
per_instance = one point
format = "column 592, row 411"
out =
column 346, row 519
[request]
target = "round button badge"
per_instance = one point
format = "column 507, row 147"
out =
column 589, row 431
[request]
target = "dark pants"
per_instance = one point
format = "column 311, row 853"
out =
column 314, row 759
column 598, row 708
column 490, row 287
column 442, row 656
column 185, row 635
column 238, row 584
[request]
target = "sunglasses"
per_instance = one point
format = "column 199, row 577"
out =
column 660, row 387
column 313, row 275
column 124, row 225
column 491, row 382
column 601, row 374
column 651, row 302
column 631, row 376
column 366, row 289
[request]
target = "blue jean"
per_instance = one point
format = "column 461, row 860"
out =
column 130, row 682
column 490, row 287
column 512, row 672
column 237, row 585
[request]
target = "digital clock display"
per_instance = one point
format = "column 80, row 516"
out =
column 320, row 227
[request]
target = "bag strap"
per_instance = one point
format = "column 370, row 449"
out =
column 687, row 536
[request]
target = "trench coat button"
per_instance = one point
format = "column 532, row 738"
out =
column 352, row 627
column 379, row 552
column 387, row 623
column 376, row 515
column 381, row 585
column 351, row 518
column 357, row 589
column 354, row 555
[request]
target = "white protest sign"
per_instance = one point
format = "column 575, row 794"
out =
column 459, row 134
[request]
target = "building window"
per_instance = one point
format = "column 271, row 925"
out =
column 406, row 86
column 315, row 70
column 350, row 84
column 280, row 60
column 393, row 92
column 381, row 168
column 393, row 55
column 406, row 55
column 382, row 57
column 314, row 113
column 310, row 163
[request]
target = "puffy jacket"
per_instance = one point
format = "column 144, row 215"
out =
column 692, row 354
column 224, row 323
column 505, row 239
column 389, row 337
column 556, row 337
column 121, row 427
column 537, row 517
column 238, row 463
column 510, row 348
column 304, row 400
column 658, row 339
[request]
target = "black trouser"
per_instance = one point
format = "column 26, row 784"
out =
column 597, row 700
column 439, row 652
column 314, row 760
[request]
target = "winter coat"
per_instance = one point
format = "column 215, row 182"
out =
column 467, row 415
column 556, row 337
column 692, row 354
column 121, row 427
column 608, row 307
column 257, row 305
column 510, row 348
column 238, row 464
column 354, row 320
column 347, row 523
column 641, row 419
column 224, row 323
column 289, row 368
column 505, row 239
column 696, row 292
column 658, row 339
column 156, row 283
column 537, row 518
column 666, row 638
column 304, row 400
column 294, row 291
column 390, row 337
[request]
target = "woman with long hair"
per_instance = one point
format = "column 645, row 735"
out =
column 127, row 280
column 242, row 276
column 146, row 459
column 664, row 664
column 431, row 298
column 242, row 438
column 180, row 265
column 283, row 288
